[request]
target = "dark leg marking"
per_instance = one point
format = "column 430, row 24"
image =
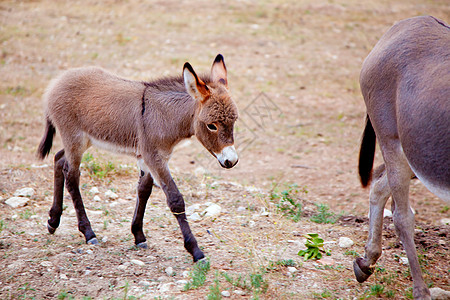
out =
column 57, row 206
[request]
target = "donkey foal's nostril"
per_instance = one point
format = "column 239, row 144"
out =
column 228, row 164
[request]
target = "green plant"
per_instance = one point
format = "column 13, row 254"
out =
column 323, row 215
column 95, row 169
column 214, row 289
column 198, row 275
column 376, row 290
column 24, row 289
column 352, row 253
column 314, row 245
column 65, row 295
column 286, row 263
column 2, row 225
column 253, row 282
column 288, row 206
column 26, row 214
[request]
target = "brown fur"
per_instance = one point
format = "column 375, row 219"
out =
column 144, row 119
column 405, row 84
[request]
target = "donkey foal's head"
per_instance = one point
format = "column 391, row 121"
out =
column 217, row 112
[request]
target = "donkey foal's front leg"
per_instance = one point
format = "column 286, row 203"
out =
column 177, row 206
column 144, row 191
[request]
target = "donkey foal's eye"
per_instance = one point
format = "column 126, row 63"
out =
column 212, row 127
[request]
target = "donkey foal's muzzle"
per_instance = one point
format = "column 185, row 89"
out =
column 228, row 158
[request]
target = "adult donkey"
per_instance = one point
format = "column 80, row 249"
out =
column 405, row 82
column 142, row 119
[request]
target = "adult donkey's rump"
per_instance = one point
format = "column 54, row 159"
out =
column 405, row 82
column 142, row 119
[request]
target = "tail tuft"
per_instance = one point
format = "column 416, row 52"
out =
column 367, row 153
column 46, row 143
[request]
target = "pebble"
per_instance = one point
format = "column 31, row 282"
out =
column 212, row 211
column 169, row 271
column 194, row 217
column 137, row 262
column 165, row 287
column 445, row 221
column 292, row 269
column 63, row 277
column 25, row 192
column 111, row 195
column 97, row 198
column 225, row 293
column 104, row 239
column 94, row 190
column 239, row 292
column 241, row 208
column 16, row 202
column 87, row 272
column 263, row 212
column 46, row 263
column 144, row 283
column 122, row 267
column 89, row 251
column 185, row 274
column 192, row 208
column 386, row 213
column 439, row 294
column 251, row 223
column 404, row 260
column 345, row 242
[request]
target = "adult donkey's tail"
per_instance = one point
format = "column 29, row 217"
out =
column 367, row 153
column 47, row 140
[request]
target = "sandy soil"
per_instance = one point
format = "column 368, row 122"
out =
column 293, row 72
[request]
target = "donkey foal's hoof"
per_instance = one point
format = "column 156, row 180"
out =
column 93, row 241
column 142, row 245
column 363, row 273
column 51, row 230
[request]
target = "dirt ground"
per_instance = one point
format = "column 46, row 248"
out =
column 293, row 72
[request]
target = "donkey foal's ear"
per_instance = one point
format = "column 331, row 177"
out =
column 219, row 71
column 194, row 85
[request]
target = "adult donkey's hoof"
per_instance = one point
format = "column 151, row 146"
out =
column 361, row 272
column 50, row 229
column 93, row 241
column 142, row 245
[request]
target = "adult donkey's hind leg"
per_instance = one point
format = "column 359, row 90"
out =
column 58, row 192
column 144, row 191
column 399, row 176
column 379, row 194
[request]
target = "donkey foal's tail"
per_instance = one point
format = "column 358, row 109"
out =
column 367, row 153
column 47, row 140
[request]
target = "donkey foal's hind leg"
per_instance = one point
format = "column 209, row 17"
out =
column 58, row 191
column 379, row 194
column 144, row 191
column 72, row 176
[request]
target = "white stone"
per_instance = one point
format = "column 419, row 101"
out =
column 239, row 292
column 169, row 271
column 263, row 212
column 165, row 287
column 386, row 213
column 212, row 211
column 251, row 223
column 345, row 242
column 104, row 239
column 111, row 195
column 16, row 202
column 292, row 269
column 226, row 294
column 94, row 190
column 185, row 274
column 122, row 267
column 404, row 260
column 63, row 277
column 138, row 262
column 144, row 283
column 192, row 208
column 181, row 282
column 25, row 192
column 439, row 294
column 445, row 221
column 89, row 251
column 87, row 272
column 46, row 263
column 194, row 217
column 241, row 208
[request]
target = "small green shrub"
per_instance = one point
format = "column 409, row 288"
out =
column 323, row 215
column 198, row 275
column 314, row 245
column 287, row 204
